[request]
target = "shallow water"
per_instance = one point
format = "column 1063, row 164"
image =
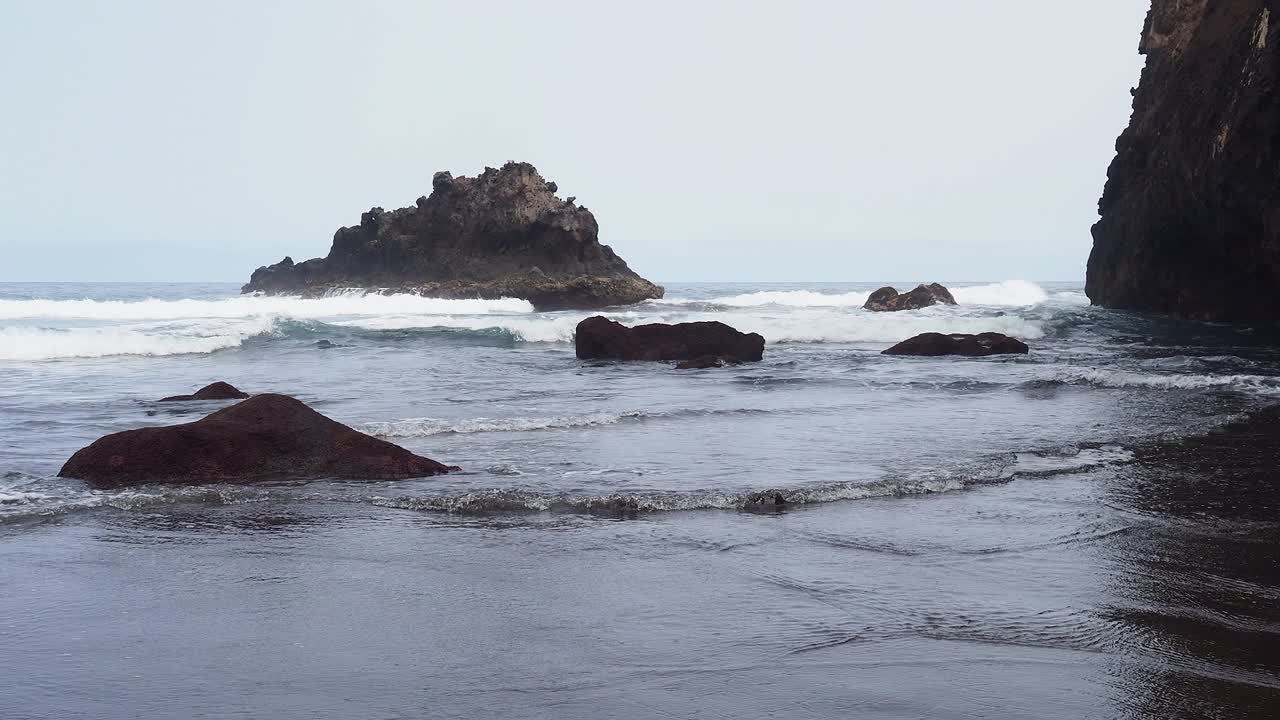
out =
column 962, row 538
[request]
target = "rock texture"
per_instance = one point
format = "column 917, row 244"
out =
column 887, row 299
column 503, row 233
column 599, row 338
column 934, row 344
column 1190, row 216
column 267, row 437
column 213, row 391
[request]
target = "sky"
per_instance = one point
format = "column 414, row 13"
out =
column 725, row 140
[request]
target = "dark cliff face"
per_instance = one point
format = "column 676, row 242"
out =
column 1190, row 216
column 501, row 233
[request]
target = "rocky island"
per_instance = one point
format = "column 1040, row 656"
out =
column 503, row 233
column 1190, row 215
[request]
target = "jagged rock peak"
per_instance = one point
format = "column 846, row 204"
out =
column 502, row 233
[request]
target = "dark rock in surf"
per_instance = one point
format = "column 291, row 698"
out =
column 213, row 391
column 599, row 338
column 888, row 299
column 766, row 500
column 267, row 437
column 503, row 233
column 935, row 344
column 1190, row 215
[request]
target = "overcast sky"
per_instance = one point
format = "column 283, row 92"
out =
column 728, row 140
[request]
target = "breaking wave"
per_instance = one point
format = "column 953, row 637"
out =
column 254, row 306
column 1011, row 293
column 24, row 343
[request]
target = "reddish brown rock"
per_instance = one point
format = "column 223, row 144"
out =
column 267, row 437
column 934, row 344
column 599, row 338
column 213, row 391
column 888, row 299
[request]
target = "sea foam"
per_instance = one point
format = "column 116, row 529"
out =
column 345, row 304
column 1011, row 293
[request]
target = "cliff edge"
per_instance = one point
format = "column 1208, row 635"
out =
column 1190, row 215
column 503, row 233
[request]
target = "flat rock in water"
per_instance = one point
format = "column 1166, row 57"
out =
column 213, row 391
column 267, row 437
column 503, row 233
column 888, row 299
column 599, row 338
column 934, row 344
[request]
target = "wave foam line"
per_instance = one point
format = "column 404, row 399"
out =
column 248, row 306
column 815, row 325
column 519, row 501
column 18, row 343
column 1010, row 293
column 1127, row 379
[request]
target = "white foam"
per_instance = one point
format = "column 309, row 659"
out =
column 786, row 298
column 247, row 306
column 1127, row 379
column 1010, row 293
column 1070, row 297
column 24, row 343
column 797, row 325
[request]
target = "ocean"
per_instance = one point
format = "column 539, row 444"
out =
column 1001, row 537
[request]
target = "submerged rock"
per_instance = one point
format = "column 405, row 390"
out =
column 1190, row 215
column 932, row 344
column 267, row 437
column 213, row 391
column 599, row 338
column 887, row 299
column 503, row 233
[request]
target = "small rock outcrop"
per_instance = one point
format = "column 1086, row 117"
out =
column 213, row 391
column 934, row 344
column 599, row 338
column 1190, row 216
column 267, row 437
column 503, row 233
column 888, row 299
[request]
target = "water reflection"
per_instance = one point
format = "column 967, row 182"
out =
column 1198, row 591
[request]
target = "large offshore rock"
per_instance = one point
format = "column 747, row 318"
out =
column 503, row 233
column 267, row 437
column 1190, row 216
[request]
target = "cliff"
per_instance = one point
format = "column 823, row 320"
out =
column 503, row 233
column 1190, row 215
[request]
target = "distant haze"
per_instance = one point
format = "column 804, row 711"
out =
column 746, row 141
